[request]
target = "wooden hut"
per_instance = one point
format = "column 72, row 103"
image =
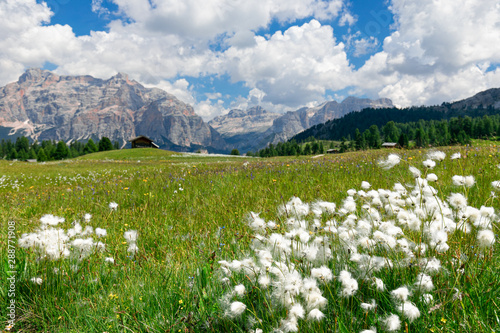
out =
column 143, row 142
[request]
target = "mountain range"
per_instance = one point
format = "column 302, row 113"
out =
column 43, row 105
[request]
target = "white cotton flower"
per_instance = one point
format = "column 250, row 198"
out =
column 427, row 298
column 369, row 306
column 349, row 284
column 424, row 282
column 458, row 180
column 83, row 247
column 237, row 308
column 496, row 185
column 456, row 156
column 365, row 185
column 436, row 155
column 290, row 324
column 469, row 181
column 379, row 284
column 264, row 281
column 429, row 164
column 113, row 205
column 256, row 223
column 351, row 192
column 401, row 294
column 315, row 315
column 297, row 311
column 324, row 274
column 485, row 238
column 87, row 231
column 51, row 219
column 100, row 232
column 87, row 217
column 415, row 172
column 240, row 290
column 130, row 236
column 37, row 280
column 314, row 300
column 457, row 200
column 409, row 310
column 390, row 162
column 109, row 260
column 371, row 330
column 132, row 248
column 349, row 204
column 431, row 266
column 431, row 177
column 392, row 323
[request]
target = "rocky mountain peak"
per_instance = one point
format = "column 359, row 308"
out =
column 43, row 105
column 34, row 75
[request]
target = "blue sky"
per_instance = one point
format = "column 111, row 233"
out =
column 281, row 54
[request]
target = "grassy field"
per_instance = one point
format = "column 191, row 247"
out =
column 192, row 215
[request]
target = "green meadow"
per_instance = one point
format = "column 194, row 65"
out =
column 192, row 211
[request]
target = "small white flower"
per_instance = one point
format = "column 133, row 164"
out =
column 237, row 308
column 130, row 236
column 100, row 232
column 401, row 294
column 436, row 155
column 485, row 238
column 429, row 164
column 456, row 156
column 390, row 162
column 427, row 298
column 110, row 260
column 297, row 311
column 113, row 205
column 315, row 315
column 240, row 290
column 409, row 310
column 132, row 248
column 424, row 282
column 496, row 185
column 415, row 172
column 51, row 219
column 369, row 306
column 392, row 323
column 432, row 177
column 87, row 217
column 365, row 185
column 324, row 274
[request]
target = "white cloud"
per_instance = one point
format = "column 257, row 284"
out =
column 294, row 67
column 439, row 52
column 365, row 45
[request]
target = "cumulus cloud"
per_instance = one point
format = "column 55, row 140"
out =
column 427, row 58
column 292, row 67
column 430, row 58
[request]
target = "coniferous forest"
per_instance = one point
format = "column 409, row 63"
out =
column 48, row 150
column 411, row 127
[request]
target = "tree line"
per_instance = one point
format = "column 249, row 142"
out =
column 50, row 150
column 422, row 133
column 362, row 120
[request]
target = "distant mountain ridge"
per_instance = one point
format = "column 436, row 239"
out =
column 483, row 103
column 255, row 128
column 43, row 105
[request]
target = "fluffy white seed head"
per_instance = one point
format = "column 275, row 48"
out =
column 485, row 238
column 391, row 161
column 392, row 323
column 237, row 308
